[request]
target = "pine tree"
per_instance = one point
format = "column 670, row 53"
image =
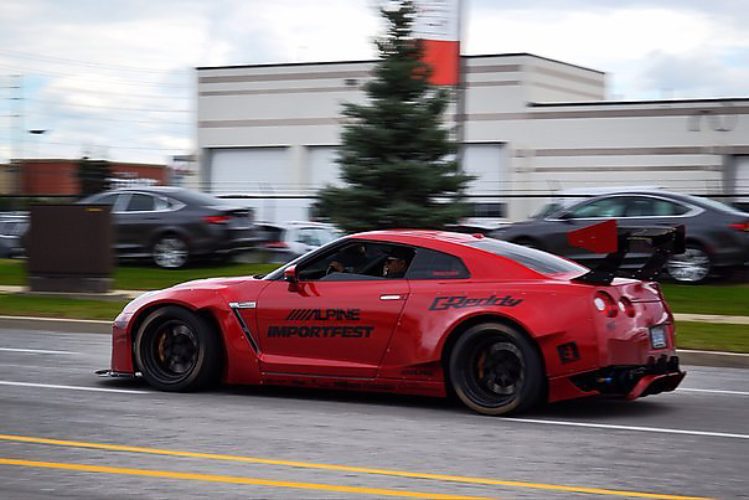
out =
column 395, row 152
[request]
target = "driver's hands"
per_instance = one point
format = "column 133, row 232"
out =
column 335, row 267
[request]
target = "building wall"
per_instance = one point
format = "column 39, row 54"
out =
column 6, row 179
column 551, row 118
column 60, row 176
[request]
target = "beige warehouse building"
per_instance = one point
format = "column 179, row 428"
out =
column 533, row 126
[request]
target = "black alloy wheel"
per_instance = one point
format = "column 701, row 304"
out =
column 495, row 370
column 176, row 350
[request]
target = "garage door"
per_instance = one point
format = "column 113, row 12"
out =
column 742, row 178
column 487, row 162
column 252, row 170
column 322, row 168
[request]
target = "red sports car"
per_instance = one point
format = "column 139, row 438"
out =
column 501, row 326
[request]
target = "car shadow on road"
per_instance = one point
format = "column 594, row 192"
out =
column 603, row 408
column 599, row 408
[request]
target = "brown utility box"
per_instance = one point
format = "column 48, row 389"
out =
column 69, row 248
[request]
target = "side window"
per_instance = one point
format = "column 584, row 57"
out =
column 640, row 207
column 665, row 208
column 161, row 203
column 432, row 265
column 603, row 208
column 140, row 203
column 359, row 260
column 305, row 235
column 653, row 207
column 108, row 199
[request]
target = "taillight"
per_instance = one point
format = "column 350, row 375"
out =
column 604, row 303
column 740, row 226
column 276, row 244
column 216, row 219
column 626, row 306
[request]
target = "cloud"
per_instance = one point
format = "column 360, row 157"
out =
column 119, row 74
column 622, row 41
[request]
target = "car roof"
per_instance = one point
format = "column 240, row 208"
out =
column 423, row 237
column 148, row 189
column 606, row 189
column 293, row 224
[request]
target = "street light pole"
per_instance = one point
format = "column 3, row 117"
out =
column 39, row 132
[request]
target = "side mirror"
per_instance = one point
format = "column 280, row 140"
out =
column 289, row 274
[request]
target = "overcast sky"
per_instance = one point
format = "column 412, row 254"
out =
column 115, row 78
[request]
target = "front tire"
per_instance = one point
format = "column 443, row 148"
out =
column 495, row 370
column 177, row 350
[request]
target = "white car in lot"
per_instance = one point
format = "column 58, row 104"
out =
column 287, row 241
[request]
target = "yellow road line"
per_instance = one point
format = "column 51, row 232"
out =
column 214, row 478
column 345, row 468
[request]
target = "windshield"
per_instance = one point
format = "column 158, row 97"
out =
column 547, row 209
column 542, row 262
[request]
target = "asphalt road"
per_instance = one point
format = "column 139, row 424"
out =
column 65, row 433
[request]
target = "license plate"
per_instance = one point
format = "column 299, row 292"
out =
column 658, row 337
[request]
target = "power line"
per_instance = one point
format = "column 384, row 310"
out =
column 123, row 120
column 92, row 106
column 116, row 147
column 67, row 61
column 128, row 82
column 129, row 94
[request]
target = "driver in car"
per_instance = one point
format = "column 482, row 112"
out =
column 396, row 263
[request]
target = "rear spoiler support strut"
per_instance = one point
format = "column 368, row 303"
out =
column 606, row 237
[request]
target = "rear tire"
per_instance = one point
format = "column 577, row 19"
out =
column 170, row 252
column 176, row 350
column 691, row 267
column 495, row 370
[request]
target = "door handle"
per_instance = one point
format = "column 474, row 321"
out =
column 391, row 296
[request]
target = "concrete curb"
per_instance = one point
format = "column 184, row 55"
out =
column 56, row 325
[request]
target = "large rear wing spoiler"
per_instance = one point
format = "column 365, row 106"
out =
column 607, row 238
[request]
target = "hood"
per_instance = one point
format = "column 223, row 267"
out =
column 212, row 283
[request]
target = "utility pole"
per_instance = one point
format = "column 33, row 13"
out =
column 17, row 129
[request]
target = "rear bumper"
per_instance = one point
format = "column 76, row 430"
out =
column 625, row 381
column 632, row 381
column 655, row 384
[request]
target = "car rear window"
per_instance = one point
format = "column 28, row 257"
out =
column 531, row 258
column 200, row 199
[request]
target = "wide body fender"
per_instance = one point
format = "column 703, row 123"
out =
column 552, row 316
column 212, row 302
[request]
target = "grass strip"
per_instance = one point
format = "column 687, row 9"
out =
column 729, row 300
column 59, row 307
column 13, row 272
column 153, row 278
column 712, row 336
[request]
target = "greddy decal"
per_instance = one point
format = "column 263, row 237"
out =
column 461, row 301
column 354, row 332
column 323, row 315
